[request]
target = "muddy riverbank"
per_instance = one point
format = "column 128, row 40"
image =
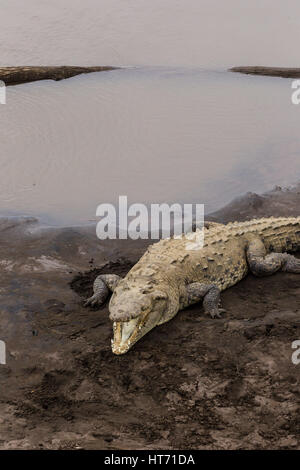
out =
column 284, row 72
column 194, row 383
column 18, row 75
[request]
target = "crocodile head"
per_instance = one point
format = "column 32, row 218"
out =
column 134, row 311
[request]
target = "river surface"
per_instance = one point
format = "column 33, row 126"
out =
column 171, row 126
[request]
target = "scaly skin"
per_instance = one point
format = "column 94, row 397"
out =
column 172, row 274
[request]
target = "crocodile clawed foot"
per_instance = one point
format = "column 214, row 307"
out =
column 95, row 301
column 216, row 312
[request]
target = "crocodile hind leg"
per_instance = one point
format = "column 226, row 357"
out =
column 103, row 285
column 291, row 264
column 209, row 293
column 263, row 264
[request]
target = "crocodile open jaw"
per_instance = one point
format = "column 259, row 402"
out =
column 127, row 333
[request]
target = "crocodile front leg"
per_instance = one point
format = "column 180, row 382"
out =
column 103, row 285
column 209, row 293
column 263, row 264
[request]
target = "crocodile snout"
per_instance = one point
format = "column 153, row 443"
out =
column 122, row 315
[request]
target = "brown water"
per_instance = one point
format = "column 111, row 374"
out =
column 175, row 126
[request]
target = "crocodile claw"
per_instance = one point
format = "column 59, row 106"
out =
column 95, row 300
column 217, row 312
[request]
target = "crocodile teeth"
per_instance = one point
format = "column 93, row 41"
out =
column 125, row 334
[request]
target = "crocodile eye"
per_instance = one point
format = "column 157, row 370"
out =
column 146, row 290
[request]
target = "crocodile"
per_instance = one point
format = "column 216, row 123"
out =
column 173, row 275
